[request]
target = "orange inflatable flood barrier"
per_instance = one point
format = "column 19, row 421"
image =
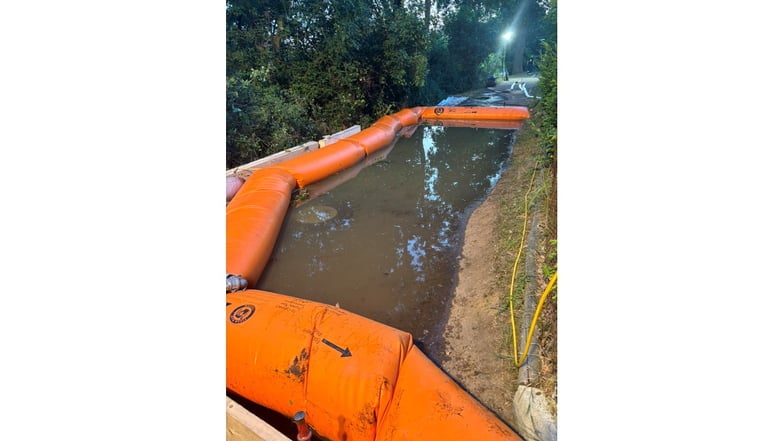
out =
column 253, row 220
column 515, row 113
column 356, row 379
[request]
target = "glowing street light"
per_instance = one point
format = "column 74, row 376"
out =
column 506, row 37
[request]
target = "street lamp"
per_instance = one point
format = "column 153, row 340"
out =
column 506, row 37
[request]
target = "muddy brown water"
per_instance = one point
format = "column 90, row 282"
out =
column 385, row 244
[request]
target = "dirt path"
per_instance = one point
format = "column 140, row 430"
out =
column 475, row 352
column 477, row 349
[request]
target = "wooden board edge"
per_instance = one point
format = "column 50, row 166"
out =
column 242, row 425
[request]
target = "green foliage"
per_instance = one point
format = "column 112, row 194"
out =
column 437, row 78
column 550, row 266
column 306, row 69
column 548, row 85
column 551, row 260
column 470, row 39
column 396, row 56
column 261, row 120
column 492, row 65
column 296, row 71
column 300, row 195
column 550, row 20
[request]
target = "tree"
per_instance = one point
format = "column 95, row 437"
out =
column 470, row 37
column 548, row 84
column 298, row 70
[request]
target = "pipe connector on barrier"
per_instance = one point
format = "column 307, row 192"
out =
column 235, row 283
column 304, row 433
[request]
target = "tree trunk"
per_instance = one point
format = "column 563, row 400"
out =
column 427, row 15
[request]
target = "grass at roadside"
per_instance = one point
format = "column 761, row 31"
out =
column 541, row 205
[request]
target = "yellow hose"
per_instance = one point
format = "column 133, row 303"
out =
column 519, row 361
column 514, row 268
column 536, row 315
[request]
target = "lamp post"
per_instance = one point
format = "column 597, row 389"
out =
column 506, row 37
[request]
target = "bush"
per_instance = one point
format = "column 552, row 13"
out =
column 548, row 85
column 261, row 120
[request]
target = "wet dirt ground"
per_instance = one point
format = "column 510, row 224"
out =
column 477, row 353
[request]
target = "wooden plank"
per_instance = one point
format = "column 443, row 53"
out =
column 241, row 425
column 331, row 139
column 245, row 170
column 275, row 158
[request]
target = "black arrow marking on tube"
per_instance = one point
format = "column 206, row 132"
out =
column 343, row 352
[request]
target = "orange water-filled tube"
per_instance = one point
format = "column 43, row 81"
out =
column 516, row 113
column 253, row 220
column 356, row 379
column 255, row 214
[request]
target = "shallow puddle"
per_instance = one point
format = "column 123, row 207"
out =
column 385, row 243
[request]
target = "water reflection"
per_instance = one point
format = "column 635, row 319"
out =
column 388, row 249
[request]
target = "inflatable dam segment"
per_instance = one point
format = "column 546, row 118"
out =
column 255, row 214
column 355, row 379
